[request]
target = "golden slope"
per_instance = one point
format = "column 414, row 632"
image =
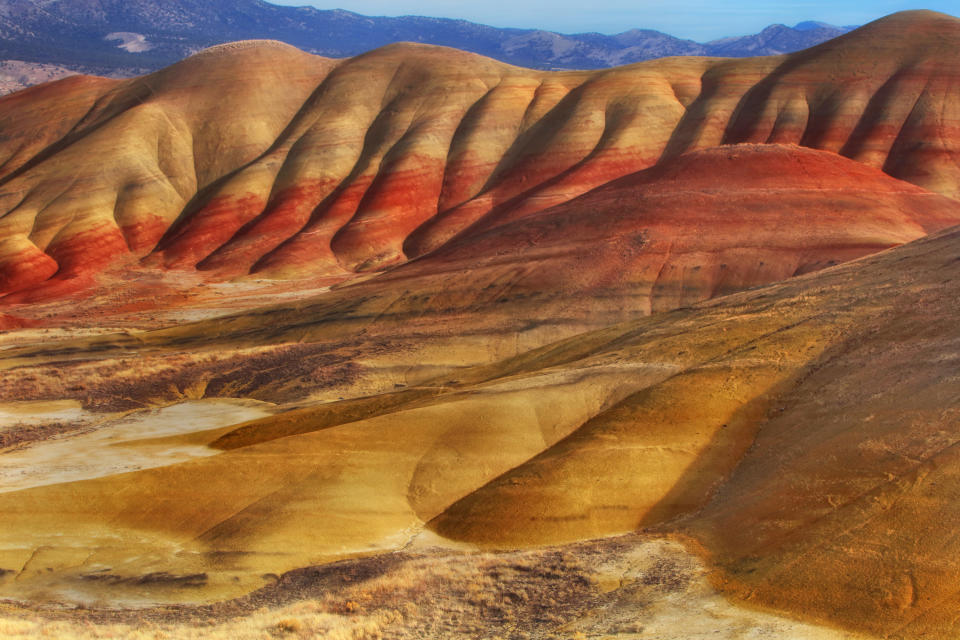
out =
column 778, row 412
column 813, row 456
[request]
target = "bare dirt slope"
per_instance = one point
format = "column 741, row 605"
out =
column 801, row 432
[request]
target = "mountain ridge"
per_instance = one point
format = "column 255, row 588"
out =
column 108, row 37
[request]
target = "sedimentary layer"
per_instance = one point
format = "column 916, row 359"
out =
column 256, row 158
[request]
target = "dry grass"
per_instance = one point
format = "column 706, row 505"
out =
column 301, row 620
column 627, row 588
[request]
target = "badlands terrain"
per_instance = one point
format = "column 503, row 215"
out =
column 420, row 344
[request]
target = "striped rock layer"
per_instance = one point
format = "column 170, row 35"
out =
column 256, row 158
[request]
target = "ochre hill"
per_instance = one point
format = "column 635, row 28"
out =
column 97, row 170
column 259, row 159
column 703, row 224
column 811, row 450
column 802, row 432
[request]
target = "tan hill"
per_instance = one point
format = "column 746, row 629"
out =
column 810, row 451
column 226, row 164
column 795, row 430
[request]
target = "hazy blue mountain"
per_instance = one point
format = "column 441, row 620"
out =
column 129, row 36
column 776, row 39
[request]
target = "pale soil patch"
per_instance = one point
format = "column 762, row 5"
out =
column 22, row 423
column 660, row 591
column 17, row 413
column 113, row 447
column 132, row 42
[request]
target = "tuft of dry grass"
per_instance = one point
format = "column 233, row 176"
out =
column 301, row 620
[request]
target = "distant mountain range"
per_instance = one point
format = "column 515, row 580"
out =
column 126, row 37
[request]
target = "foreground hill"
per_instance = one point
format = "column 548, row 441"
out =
column 793, row 430
column 810, row 450
column 362, row 164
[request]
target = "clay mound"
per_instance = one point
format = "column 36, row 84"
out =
column 811, row 450
column 226, row 164
column 795, row 430
column 36, row 119
column 115, row 162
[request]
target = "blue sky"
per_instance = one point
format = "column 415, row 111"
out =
column 696, row 19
